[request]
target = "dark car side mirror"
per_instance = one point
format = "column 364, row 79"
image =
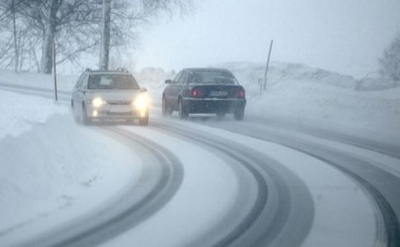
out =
column 168, row 81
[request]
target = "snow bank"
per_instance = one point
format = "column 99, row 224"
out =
column 315, row 97
column 48, row 164
column 19, row 113
column 374, row 114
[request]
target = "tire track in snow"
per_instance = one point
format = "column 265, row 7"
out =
column 387, row 223
column 271, row 220
column 380, row 185
column 128, row 210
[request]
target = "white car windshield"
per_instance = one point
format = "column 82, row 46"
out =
column 116, row 81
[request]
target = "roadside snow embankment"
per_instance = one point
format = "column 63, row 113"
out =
column 19, row 112
column 372, row 114
column 48, row 164
column 318, row 98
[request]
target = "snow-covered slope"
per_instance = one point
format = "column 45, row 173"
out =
column 252, row 75
column 48, row 163
column 315, row 97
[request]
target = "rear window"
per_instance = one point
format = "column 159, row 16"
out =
column 109, row 81
column 211, row 77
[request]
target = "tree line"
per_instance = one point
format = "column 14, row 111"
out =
column 29, row 27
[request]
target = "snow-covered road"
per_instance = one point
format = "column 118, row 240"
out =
column 197, row 183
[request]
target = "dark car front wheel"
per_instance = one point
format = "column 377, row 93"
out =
column 183, row 113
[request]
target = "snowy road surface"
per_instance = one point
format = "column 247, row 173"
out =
column 204, row 182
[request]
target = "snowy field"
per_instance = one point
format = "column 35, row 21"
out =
column 32, row 186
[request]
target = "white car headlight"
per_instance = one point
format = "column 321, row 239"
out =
column 141, row 101
column 97, row 102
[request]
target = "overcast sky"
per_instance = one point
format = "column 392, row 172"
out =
column 346, row 36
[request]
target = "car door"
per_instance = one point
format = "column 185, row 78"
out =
column 183, row 85
column 78, row 95
column 74, row 96
column 172, row 91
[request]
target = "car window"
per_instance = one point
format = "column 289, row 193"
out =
column 176, row 78
column 211, row 77
column 83, row 82
column 182, row 79
column 114, row 82
column 79, row 81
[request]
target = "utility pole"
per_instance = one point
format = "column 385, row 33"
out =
column 105, row 35
column 266, row 67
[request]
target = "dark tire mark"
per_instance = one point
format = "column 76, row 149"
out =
column 381, row 185
column 124, row 212
column 270, row 221
column 390, row 219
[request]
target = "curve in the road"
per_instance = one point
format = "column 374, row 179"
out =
column 280, row 216
column 391, row 232
column 160, row 180
column 381, row 185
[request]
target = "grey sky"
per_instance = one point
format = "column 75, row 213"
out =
column 345, row 36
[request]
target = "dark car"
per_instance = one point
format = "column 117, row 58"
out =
column 204, row 90
column 109, row 95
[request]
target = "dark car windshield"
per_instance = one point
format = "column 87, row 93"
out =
column 112, row 81
column 211, row 77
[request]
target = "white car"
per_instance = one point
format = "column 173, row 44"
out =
column 101, row 95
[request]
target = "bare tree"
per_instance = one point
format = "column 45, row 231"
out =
column 105, row 35
column 9, row 14
column 75, row 25
column 72, row 22
column 390, row 62
column 126, row 16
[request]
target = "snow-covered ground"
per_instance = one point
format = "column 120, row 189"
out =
column 34, row 183
column 49, row 163
column 318, row 98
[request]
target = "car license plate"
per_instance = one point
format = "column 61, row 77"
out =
column 218, row 93
column 120, row 109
